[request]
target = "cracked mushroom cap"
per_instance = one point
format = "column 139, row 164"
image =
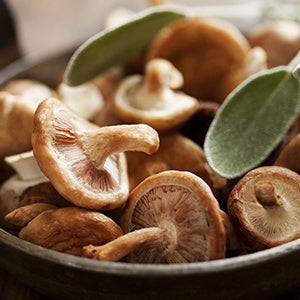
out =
column 205, row 51
column 69, row 229
column 183, row 205
column 152, row 100
column 264, row 207
column 85, row 163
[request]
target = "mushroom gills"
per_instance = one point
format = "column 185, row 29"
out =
column 170, row 206
column 264, row 207
column 183, row 206
column 85, row 162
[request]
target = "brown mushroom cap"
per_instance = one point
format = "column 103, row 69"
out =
column 205, row 51
column 183, row 205
column 176, row 152
column 23, row 215
column 279, row 38
column 264, row 207
column 85, row 163
column 69, row 229
column 151, row 100
column 289, row 156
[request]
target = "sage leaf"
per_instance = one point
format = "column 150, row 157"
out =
column 252, row 121
column 113, row 46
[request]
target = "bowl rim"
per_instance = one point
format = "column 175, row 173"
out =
column 123, row 268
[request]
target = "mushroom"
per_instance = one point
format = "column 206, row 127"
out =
column 176, row 152
column 18, row 101
column 16, row 124
column 30, row 91
column 264, row 207
column 279, row 38
column 255, row 61
column 289, row 157
column 85, row 100
column 182, row 217
column 85, row 163
column 27, row 175
column 151, row 100
column 211, row 54
column 21, row 216
column 43, row 192
column 68, row 229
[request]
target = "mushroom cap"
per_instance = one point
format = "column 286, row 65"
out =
column 264, row 207
column 279, row 38
column 173, row 111
column 21, row 216
column 289, row 157
column 205, row 51
column 16, row 124
column 85, row 100
column 151, row 100
column 176, row 152
column 69, row 229
column 63, row 160
column 183, row 205
column 31, row 91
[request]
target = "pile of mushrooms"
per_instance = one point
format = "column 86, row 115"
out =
column 114, row 169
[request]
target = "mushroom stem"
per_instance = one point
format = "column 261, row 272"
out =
column 266, row 195
column 115, row 139
column 160, row 74
column 125, row 244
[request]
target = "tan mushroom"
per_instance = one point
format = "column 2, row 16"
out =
column 69, row 229
column 21, row 216
column 16, row 124
column 18, row 101
column 85, row 100
column 289, row 157
column 32, row 92
column 264, row 207
column 279, row 38
column 176, row 152
column 210, row 53
column 151, row 100
column 183, row 206
column 85, row 163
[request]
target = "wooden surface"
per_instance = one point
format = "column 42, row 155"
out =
column 13, row 289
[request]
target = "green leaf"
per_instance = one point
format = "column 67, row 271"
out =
column 252, row 121
column 114, row 46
